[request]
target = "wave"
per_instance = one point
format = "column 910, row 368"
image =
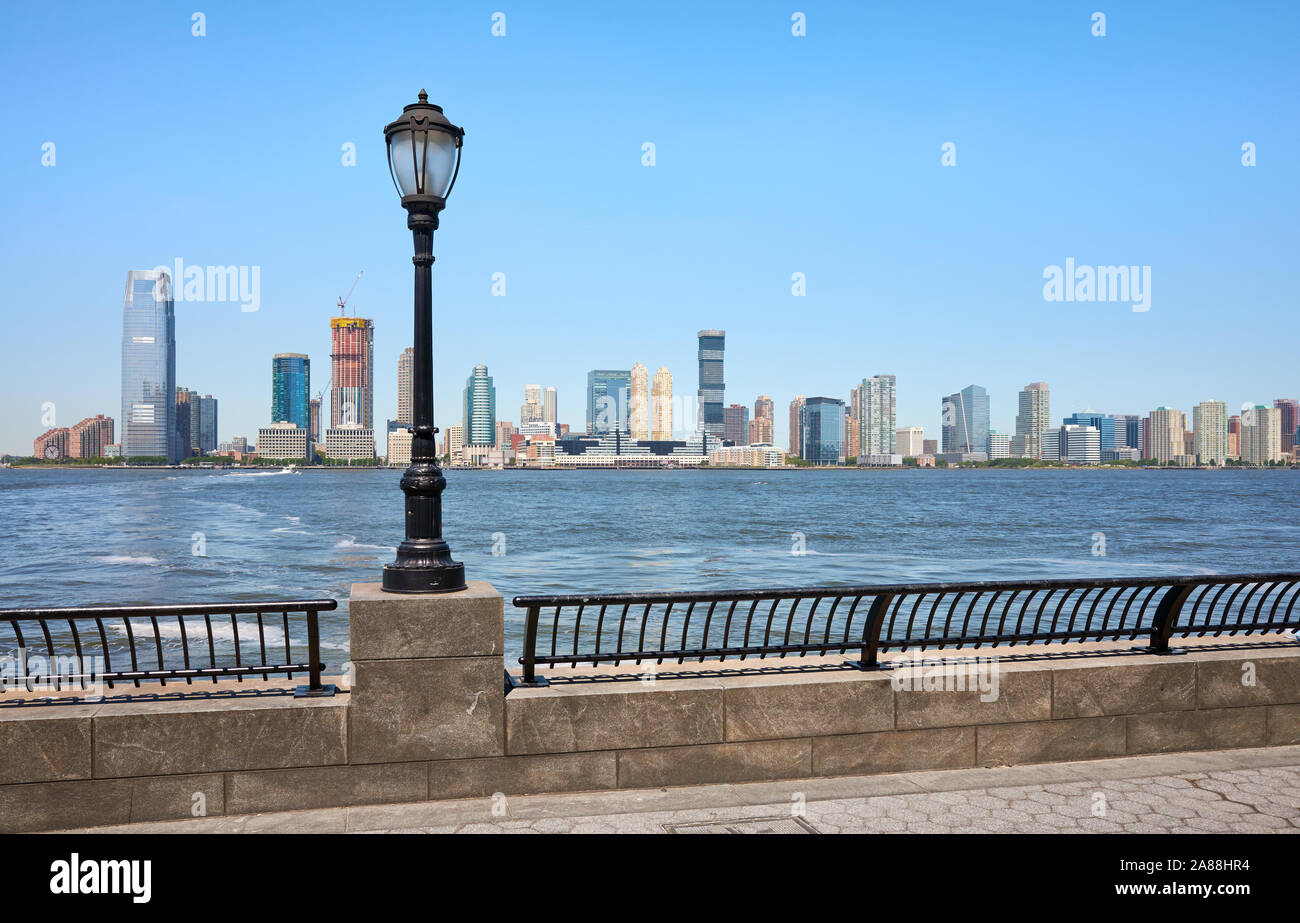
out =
column 350, row 544
column 169, row 629
column 127, row 559
column 1100, row 560
column 254, row 474
column 287, row 531
column 243, row 509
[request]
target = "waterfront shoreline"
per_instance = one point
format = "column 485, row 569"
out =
column 271, row 469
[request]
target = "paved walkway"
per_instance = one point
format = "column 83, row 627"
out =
column 1229, row 791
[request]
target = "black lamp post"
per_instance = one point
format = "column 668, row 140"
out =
column 424, row 158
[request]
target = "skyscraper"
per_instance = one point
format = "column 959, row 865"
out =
column 196, row 422
column 352, row 392
column 712, row 386
column 531, row 410
column 1289, row 421
column 1033, row 418
column 183, row 419
column 607, row 400
column 479, row 419
column 823, row 430
column 796, row 425
column 207, row 424
column 1261, row 435
column 639, row 402
column 549, row 405
column 149, row 367
column 873, row 406
column 1103, row 424
column 1128, row 432
column 661, row 404
column 760, row 428
column 1167, row 427
column 1210, row 426
column 966, row 420
column 291, row 389
column 735, row 423
column 315, row 420
column 405, row 381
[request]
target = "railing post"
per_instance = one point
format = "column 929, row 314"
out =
column 529, row 660
column 1166, row 618
column 313, row 689
column 875, row 623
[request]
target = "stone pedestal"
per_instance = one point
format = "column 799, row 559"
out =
column 428, row 675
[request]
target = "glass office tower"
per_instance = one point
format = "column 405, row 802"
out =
column 1101, row 422
column 208, row 424
column 823, row 430
column 608, row 395
column 713, row 344
column 291, row 389
column 480, row 412
column 966, row 420
column 149, row 368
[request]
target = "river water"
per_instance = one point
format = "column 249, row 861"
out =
column 83, row 537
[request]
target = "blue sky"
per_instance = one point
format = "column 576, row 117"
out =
column 775, row 154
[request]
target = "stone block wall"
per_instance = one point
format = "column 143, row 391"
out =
column 428, row 717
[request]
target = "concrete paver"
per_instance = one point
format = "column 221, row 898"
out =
column 1237, row 791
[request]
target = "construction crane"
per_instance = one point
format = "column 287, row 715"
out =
column 343, row 301
column 342, row 305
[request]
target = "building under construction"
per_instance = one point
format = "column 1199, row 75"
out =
column 352, row 390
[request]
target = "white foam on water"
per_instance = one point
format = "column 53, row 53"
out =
column 244, row 509
column 127, row 559
column 1100, row 560
column 350, row 544
column 169, row 629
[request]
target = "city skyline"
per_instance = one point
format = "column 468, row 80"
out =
column 868, row 430
column 980, row 234
column 364, row 395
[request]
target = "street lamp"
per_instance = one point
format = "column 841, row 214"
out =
column 424, row 158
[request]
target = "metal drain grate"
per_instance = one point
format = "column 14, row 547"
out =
column 777, row 824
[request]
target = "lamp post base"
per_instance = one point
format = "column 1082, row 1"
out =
column 424, row 566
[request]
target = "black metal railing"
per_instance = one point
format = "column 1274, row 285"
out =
column 636, row 627
column 77, row 648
